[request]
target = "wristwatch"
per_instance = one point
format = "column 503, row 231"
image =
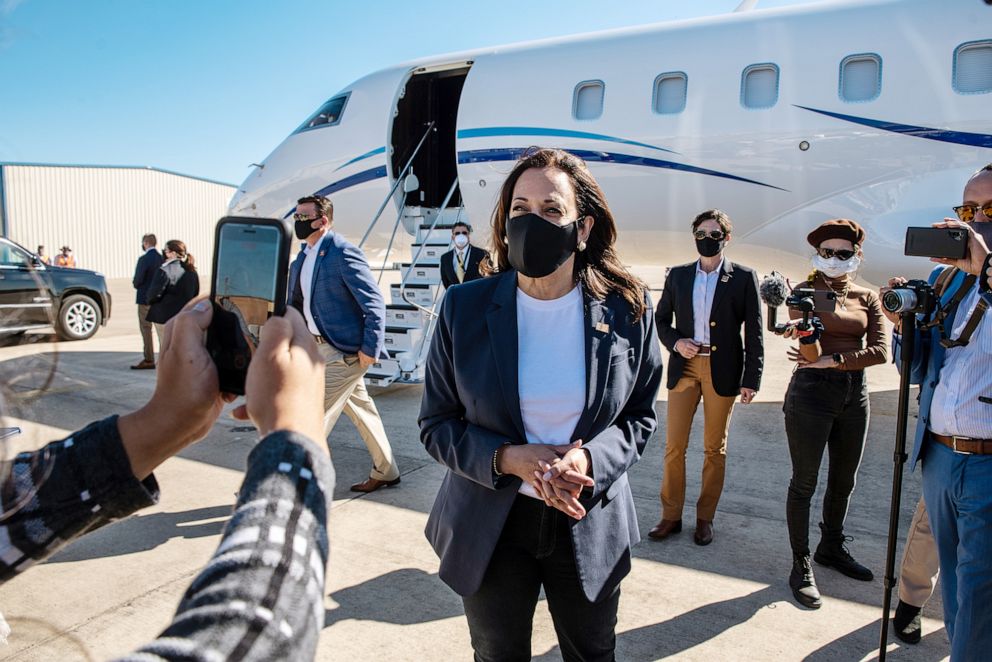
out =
column 838, row 358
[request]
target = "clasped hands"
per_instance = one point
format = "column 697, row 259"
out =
column 557, row 473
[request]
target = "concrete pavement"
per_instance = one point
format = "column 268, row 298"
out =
column 118, row 587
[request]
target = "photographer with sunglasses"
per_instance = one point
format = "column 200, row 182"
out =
column 710, row 299
column 826, row 404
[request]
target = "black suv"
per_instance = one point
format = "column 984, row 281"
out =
column 33, row 295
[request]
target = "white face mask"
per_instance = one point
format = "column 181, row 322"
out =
column 834, row 267
column 461, row 240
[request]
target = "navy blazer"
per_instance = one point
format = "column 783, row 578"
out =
column 448, row 275
column 471, row 407
column 345, row 300
column 144, row 272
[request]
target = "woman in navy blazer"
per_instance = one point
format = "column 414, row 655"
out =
column 540, row 391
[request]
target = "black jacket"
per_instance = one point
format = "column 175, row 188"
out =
column 171, row 289
column 144, row 272
column 448, row 276
column 733, row 363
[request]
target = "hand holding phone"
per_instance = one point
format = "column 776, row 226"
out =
column 250, row 271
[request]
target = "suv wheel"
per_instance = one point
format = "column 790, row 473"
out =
column 79, row 318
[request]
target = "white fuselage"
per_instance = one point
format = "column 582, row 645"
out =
column 778, row 171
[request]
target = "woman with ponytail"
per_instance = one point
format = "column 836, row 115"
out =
column 175, row 284
column 826, row 405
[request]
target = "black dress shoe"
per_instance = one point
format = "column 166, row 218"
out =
column 665, row 528
column 835, row 555
column 803, row 583
column 907, row 623
column 704, row 532
column 373, row 484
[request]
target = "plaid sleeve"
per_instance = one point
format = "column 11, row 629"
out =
column 261, row 596
column 55, row 494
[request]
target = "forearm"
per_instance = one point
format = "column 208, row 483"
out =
column 65, row 489
column 261, row 595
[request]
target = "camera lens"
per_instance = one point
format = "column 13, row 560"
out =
column 899, row 301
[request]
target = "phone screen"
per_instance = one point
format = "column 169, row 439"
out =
column 249, row 287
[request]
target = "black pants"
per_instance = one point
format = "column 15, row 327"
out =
column 534, row 550
column 823, row 408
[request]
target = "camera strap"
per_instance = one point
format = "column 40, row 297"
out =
column 939, row 287
column 969, row 328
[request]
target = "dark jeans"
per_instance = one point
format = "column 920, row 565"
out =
column 534, row 550
column 823, row 408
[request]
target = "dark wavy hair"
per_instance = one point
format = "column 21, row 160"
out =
column 598, row 267
column 185, row 259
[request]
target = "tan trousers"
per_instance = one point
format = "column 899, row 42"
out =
column 920, row 566
column 683, row 400
column 345, row 392
column 148, row 349
column 160, row 332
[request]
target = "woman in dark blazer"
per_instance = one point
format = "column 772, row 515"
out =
column 540, row 392
column 175, row 284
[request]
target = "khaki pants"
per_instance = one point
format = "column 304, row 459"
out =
column 345, row 392
column 148, row 348
column 160, row 332
column 683, row 400
column 920, row 566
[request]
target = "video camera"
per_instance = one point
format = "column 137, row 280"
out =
column 914, row 296
column 774, row 291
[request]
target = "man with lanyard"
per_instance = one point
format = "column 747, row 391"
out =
column 461, row 263
column 953, row 366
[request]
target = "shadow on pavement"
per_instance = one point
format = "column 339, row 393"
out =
column 415, row 597
column 863, row 642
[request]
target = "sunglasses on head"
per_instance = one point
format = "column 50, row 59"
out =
column 967, row 212
column 712, row 234
column 841, row 253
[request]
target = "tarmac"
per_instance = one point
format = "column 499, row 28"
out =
column 118, row 587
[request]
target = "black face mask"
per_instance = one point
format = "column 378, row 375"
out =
column 984, row 230
column 709, row 246
column 303, row 229
column 537, row 247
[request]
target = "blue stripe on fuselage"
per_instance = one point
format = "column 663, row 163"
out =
column 366, row 155
column 488, row 132
column 942, row 135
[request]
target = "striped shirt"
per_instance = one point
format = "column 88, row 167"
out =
column 965, row 375
column 261, row 596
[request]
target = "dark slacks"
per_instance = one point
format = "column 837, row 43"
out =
column 535, row 550
column 823, row 409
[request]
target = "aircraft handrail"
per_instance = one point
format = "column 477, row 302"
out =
column 392, row 189
column 416, row 257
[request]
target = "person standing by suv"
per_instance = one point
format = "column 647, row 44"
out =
column 144, row 273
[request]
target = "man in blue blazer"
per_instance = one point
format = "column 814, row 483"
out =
column 331, row 284
column 952, row 363
column 148, row 264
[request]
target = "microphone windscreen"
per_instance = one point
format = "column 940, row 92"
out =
column 773, row 289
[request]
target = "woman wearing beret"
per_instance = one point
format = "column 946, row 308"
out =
column 826, row 405
column 539, row 396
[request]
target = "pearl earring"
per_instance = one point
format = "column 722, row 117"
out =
column 581, row 246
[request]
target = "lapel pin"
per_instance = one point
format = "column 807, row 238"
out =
column 724, row 278
column 321, row 253
column 602, row 328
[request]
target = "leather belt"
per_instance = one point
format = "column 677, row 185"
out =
column 704, row 350
column 964, row 445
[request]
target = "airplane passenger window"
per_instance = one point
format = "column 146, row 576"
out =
column 860, row 77
column 327, row 115
column 670, row 93
column 587, row 102
column 759, row 86
column 973, row 67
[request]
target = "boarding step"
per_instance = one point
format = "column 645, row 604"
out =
column 421, row 295
column 402, row 339
column 428, row 253
column 426, row 234
column 405, row 316
column 420, row 274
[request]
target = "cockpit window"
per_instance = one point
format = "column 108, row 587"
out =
column 327, row 115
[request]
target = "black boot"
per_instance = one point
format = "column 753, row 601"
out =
column 802, row 582
column 832, row 552
column 907, row 623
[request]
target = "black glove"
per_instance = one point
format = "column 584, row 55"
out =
column 817, row 327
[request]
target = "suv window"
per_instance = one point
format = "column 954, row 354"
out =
column 11, row 256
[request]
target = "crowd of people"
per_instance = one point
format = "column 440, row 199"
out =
column 539, row 397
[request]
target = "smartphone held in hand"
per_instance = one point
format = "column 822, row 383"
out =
column 248, row 286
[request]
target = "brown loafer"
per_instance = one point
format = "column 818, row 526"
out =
column 373, row 484
column 665, row 528
column 704, row 532
column 144, row 365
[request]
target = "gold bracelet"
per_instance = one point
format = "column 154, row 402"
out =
column 496, row 471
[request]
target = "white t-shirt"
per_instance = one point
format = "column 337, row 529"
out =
column 551, row 372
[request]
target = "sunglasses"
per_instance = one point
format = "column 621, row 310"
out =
column 458, row 233
column 967, row 212
column 712, row 234
column 841, row 253
column 303, row 217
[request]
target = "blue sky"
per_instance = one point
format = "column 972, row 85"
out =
column 207, row 87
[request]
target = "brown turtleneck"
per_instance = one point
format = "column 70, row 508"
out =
column 844, row 329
